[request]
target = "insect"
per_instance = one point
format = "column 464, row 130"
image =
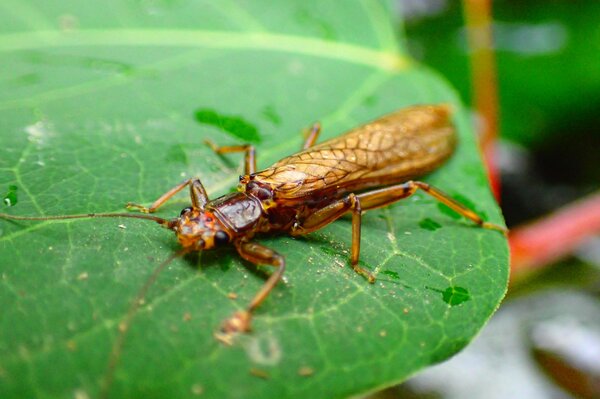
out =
column 366, row 168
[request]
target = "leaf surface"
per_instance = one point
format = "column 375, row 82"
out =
column 99, row 106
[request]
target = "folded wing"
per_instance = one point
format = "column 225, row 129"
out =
column 392, row 149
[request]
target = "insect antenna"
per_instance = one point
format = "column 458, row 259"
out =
column 125, row 324
column 163, row 222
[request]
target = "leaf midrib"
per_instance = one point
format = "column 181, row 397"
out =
column 387, row 60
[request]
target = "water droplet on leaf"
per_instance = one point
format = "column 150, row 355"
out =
column 10, row 199
column 391, row 273
column 271, row 115
column 328, row 250
column 234, row 125
column 429, row 224
column 455, row 295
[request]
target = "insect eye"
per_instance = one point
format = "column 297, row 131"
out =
column 221, row 237
column 185, row 210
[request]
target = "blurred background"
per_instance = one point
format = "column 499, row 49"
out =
column 544, row 342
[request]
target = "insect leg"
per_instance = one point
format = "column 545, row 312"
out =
column 197, row 194
column 247, row 149
column 259, row 255
column 312, row 136
column 385, row 196
column 330, row 213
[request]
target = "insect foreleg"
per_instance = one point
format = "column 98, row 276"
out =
column 385, row 196
column 330, row 213
column 312, row 136
column 197, row 195
column 259, row 255
column 248, row 150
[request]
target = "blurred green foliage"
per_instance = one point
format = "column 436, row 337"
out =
column 547, row 55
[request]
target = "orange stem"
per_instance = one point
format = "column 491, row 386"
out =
column 483, row 75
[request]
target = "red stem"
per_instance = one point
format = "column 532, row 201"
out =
column 553, row 237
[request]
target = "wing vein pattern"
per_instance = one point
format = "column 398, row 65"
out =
column 395, row 148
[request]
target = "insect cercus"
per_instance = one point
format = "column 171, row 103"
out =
column 368, row 167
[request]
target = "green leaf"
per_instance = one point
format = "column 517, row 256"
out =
column 98, row 107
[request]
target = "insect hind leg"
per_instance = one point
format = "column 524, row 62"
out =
column 385, row 196
column 330, row 213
